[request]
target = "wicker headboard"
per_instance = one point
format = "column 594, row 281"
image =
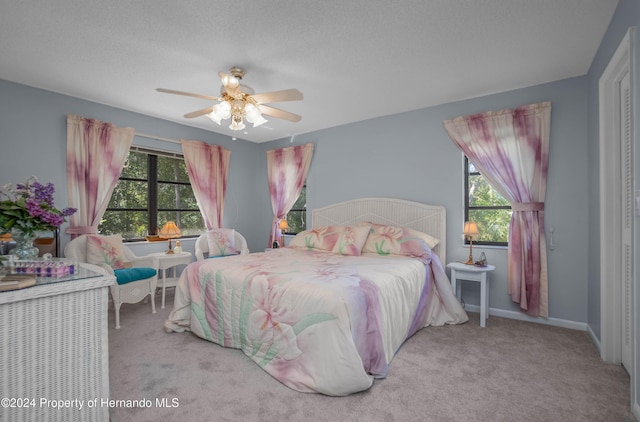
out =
column 430, row 219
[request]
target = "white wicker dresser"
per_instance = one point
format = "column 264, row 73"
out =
column 54, row 350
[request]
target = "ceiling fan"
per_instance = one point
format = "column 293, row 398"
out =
column 239, row 102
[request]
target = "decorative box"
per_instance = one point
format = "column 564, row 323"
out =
column 42, row 267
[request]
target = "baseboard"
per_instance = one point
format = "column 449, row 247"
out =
column 556, row 322
column 594, row 339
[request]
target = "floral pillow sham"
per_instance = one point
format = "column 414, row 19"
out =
column 390, row 240
column 106, row 250
column 351, row 240
column 343, row 240
column 221, row 242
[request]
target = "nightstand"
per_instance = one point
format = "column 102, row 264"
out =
column 460, row 271
column 166, row 261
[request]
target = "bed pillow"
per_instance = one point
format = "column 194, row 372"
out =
column 351, row 240
column 319, row 239
column 344, row 240
column 106, row 250
column 221, row 242
column 431, row 241
column 390, row 240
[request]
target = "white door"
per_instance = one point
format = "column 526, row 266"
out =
column 626, row 236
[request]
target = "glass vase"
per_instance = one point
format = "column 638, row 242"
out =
column 24, row 248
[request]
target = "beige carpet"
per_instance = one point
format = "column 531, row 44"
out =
column 509, row 371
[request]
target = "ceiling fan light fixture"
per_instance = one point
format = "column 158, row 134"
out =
column 239, row 102
column 253, row 115
column 237, row 107
column 236, row 123
column 259, row 121
column 223, row 110
column 230, row 81
column 250, row 110
column 213, row 116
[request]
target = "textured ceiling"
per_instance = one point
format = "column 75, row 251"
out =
column 352, row 59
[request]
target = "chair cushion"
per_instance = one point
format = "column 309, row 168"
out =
column 127, row 275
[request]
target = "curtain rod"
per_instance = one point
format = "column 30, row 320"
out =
column 160, row 138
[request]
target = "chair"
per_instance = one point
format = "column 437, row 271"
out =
column 132, row 284
column 202, row 246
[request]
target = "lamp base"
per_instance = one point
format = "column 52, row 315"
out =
column 470, row 260
column 170, row 251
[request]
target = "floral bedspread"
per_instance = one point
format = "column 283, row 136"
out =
column 316, row 321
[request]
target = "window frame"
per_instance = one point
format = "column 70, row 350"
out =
column 152, row 182
column 468, row 207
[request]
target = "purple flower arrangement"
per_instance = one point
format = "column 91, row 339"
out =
column 29, row 208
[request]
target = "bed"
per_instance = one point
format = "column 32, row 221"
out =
column 327, row 313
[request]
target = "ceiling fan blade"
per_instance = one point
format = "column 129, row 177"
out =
column 198, row 113
column 280, row 114
column 188, row 94
column 277, row 96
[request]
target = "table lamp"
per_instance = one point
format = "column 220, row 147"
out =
column 170, row 231
column 283, row 225
column 470, row 230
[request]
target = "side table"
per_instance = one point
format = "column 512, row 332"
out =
column 166, row 261
column 460, row 271
column 55, row 346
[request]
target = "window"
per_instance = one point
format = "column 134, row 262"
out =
column 297, row 216
column 486, row 207
column 153, row 188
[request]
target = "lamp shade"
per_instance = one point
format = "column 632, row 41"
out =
column 170, row 230
column 223, row 110
column 471, row 229
column 260, row 120
column 236, row 123
column 214, row 116
column 283, row 224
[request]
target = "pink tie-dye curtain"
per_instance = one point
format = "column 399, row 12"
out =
column 511, row 150
column 96, row 153
column 287, row 170
column 207, row 166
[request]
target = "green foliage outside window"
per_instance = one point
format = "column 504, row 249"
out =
column 487, row 208
column 297, row 216
column 152, row 190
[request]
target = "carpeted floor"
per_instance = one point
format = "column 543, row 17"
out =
column 509, row 371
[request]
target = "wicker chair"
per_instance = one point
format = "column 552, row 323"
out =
column 202, row 246
column 132, row 284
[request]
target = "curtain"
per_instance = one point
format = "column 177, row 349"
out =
column 96, row 153
column 510, row 148
column 287, row 170
column 207, row 167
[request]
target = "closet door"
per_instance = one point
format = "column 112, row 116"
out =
column 627, row 196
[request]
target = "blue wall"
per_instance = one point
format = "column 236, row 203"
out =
column 407, row 156
column 33, row 136
column 410, row 156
